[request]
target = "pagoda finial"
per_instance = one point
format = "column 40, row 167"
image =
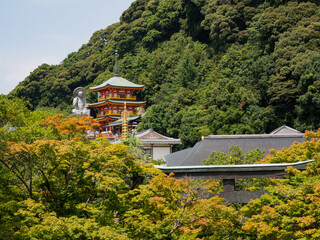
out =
column 124, row 116
column 116, row 71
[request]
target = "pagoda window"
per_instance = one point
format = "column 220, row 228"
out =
column 122, row 96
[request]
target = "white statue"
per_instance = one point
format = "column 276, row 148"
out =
column 80, row 106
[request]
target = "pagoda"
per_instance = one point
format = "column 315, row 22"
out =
column 114, row 95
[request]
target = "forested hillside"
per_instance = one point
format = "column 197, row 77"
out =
column 209, row 67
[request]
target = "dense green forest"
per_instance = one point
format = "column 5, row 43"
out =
column 209, row 67
column 56, row 184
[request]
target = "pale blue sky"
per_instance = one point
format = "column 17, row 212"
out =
column 46, row 31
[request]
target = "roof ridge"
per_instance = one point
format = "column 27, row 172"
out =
column 142, row 132
column 194, row 148
column 275, row 131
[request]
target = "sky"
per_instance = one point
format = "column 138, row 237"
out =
column 34, row 32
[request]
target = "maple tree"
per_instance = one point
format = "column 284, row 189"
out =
column 168, row 208
column 310, row 149
column 72, row 128
column 290, row 210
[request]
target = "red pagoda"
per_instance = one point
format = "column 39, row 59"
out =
column 112, row 96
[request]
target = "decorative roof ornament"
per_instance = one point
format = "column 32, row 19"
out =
column 117, row 80
column 116, row 71
column 124, row 116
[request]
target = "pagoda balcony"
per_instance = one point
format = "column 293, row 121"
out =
column 111, row 135
column 117, row 98
column 114, row 136
column 108, row 113
column 111, row 113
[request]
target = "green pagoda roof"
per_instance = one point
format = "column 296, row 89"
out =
column 119, row 122
column 117, row 81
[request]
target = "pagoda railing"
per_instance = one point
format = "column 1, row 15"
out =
column 111, row 113
column 119, row 98
column 108, row 113
column 112, row 136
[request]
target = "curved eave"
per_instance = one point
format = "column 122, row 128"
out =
column 246, row 171
column 236, row 167
column 98, row 104
column 128, row 102
column 119, row 121
column 100, row 119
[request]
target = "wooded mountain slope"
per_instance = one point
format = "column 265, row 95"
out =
column 209, row 67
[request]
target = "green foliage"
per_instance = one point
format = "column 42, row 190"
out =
column 135, row 148
column 227, row 21
column 290, row 209
column 40, row 224
column 234, row 156
column 12, row 112
column 171, row 210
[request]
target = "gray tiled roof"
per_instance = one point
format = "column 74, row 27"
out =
column 177, row 158
column 117, row 81
column 222, row 143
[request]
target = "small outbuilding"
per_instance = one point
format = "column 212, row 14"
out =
column 155, row 144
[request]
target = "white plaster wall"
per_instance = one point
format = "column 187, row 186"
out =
column 160, row 152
